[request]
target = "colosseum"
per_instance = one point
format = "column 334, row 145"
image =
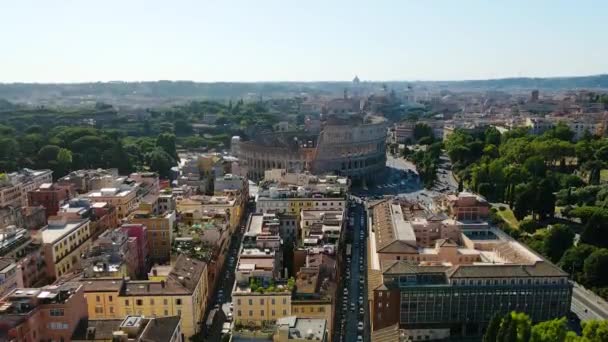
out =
column 352, row 145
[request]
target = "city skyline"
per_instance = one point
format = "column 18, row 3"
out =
column 247, row 42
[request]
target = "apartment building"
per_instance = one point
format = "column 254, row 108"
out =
column 64, row 241
column 183, row 294
column 123, row 198
column 320, row 225
column 139, row 233
column 114, row 254
column 51, row 197
column 10, row 277
column 159, row 232
column 131, row 328
column 49, row 313
column 290, row 193
column 29, row 180
column 256, row 307
column 17, row 244
column 84, row 181
column 231, row 204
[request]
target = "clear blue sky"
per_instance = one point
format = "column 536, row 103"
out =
column 257, row 40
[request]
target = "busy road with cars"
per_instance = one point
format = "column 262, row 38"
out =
column 352, row 312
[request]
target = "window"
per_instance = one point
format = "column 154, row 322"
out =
column 250, row 313
column 109, row 298
column 284, row 301
column 284, row 312
column 321, row 309
column 139, row 302
column 98, row 310
column 273, row 313
column 126, row 302
column 151, row 301
column 296, row 310
column 57, row 326
column 111, row 309
column 251, row 302
column 272, row 301
column 262, row 313
column 166, row 312
column 239, row 313
column 56, row 312
column 179, row 312
column 238, row 301
column 178, row 301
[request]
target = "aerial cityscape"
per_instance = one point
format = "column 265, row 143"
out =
column 406, row 193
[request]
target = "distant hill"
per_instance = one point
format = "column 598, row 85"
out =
column 167, row 92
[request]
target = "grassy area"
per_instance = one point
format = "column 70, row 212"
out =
column 508, row 216
column 604, row 176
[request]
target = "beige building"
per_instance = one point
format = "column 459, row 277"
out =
column 255, row 308
column 182, row 293
column 123, row 198
column 64, row 242
column 159, row 232
column 231, row 204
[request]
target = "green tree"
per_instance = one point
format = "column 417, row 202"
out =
column 120, row 159
column 161, row 162
column 595, row 331
column 492, row 330
column 595, row 267
column 572, row 261
column 64, row 162
column 550, row 331
column 422, row 130
column 166, row 141
column 492, row 136
column 557, row 240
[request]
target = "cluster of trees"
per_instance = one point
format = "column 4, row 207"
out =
column 65, row 148
column 517, row 327
column 533, row 174
column 522, row 170
column 67, row 139
column 427, row 161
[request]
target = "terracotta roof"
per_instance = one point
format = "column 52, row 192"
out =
column 398, row 247
column 540, row 269
column 407, row 267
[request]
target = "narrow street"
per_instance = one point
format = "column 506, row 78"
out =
column 223, row 292
column 351, row 304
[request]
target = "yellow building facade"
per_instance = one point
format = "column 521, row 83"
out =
column 180, row 295
column 314, row 308
column 252, row 308
column 64, row 241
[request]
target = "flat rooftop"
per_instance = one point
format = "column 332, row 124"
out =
column 55, row 231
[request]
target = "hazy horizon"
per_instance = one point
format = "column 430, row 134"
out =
column 273, row 41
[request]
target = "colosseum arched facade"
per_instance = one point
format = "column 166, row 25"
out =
column 354, row 148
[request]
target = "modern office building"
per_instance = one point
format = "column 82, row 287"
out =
column 453, row 288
